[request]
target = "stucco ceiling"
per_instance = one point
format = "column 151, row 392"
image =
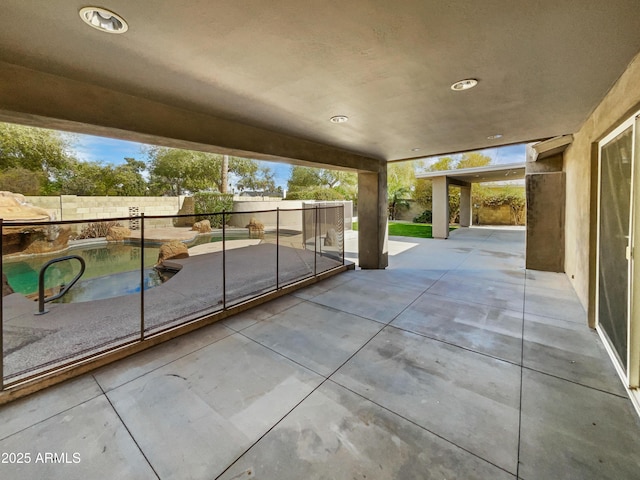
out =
column 288, row 66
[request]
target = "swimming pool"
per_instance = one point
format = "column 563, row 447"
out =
column 116, row 265
column 112, row 269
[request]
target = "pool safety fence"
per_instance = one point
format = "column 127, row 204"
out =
column 140, row 281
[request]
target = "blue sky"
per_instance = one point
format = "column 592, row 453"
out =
column 109, row 150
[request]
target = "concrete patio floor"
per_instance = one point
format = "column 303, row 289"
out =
column 454, row 362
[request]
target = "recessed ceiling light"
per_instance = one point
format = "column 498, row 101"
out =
column 339, row 119
column 494, row 137
column 103, row 20
column 415, row 149
column 464, row 84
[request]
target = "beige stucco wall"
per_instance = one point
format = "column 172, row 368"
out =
column 291, row 219
column 621, row 102
column 498, row 215
column 408, row 214
column 290, row 213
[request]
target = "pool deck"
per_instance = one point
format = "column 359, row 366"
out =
column 72, row 329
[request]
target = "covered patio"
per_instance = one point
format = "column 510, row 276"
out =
column 455, row 362
column 464, row 179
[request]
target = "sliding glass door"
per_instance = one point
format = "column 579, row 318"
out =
column 615, row 208
column 616, row 300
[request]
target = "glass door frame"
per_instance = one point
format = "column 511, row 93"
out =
column 630, row 376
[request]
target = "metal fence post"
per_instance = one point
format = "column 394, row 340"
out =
column 142, row 277
column 224, row 261
column 1, row 310
column 315, row 242
column 344, row 240
column 277, row 248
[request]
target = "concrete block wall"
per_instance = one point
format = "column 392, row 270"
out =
column 72, row 207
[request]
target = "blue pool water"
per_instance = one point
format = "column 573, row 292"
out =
column 111, row 270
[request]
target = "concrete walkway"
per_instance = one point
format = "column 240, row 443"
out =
column 453, row 363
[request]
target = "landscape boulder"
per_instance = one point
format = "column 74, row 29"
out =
column 47, row 239
column 31, row 238
column 203, row 226
column 118, row 233
column 6, row 288
column 256, row 228
column 172, row 250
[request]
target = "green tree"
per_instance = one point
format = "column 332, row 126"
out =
column 423, row 191
column 252, row 176
column 401, row 178
column 175, row 172
column 443, row 163
column 308, row 183
column 128, row 179
column 46, row 152
column 21, row 180
column 304, row 177
column 398, row 200
column 83, row 178
column 35, row 149
column 473, row 159
column 401, row 175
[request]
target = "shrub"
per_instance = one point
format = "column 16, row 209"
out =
column 209, row 202
column 314, row 193
column 424, row 217
column 95, row 230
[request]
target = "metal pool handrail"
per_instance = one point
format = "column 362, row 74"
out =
column 41, row 299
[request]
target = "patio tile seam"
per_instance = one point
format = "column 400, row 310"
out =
column 462, row 347
column 524, row 303
column 478, row 279
column 581, row 322
column 232, row 332
column 55, row 414
column 260, row 320
column 133, row 438
column 335, row 309
column 469, row 301
column 574, row 382
column 270, row 429
column 483, row 281
column 382, row 282
column 280, row 354
column 324, row 380
column 438, row 435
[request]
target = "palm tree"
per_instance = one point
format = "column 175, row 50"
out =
column 397, row 200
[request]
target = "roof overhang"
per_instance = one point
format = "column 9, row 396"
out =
column 490, row 173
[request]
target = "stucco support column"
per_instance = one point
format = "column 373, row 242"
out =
column 440, row 207
column 372, row 219
column 465, row 206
